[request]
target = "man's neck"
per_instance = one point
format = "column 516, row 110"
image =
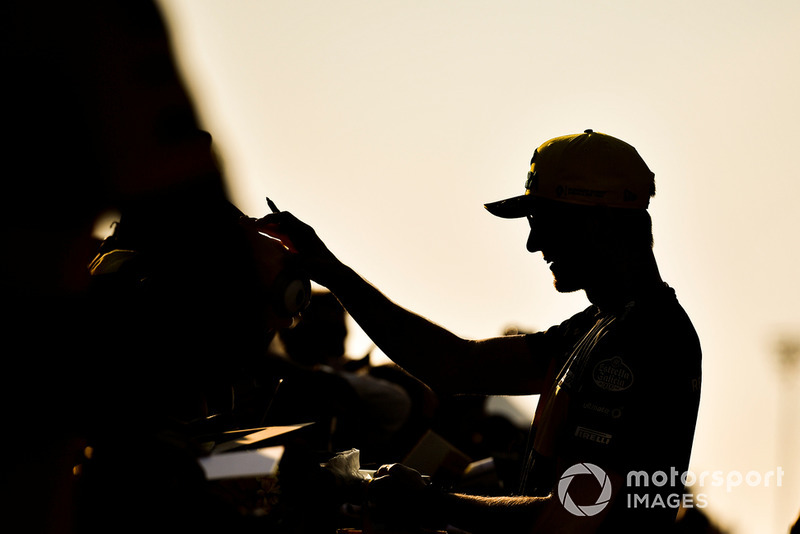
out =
column 626, row 281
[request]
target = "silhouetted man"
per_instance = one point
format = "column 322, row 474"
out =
column 619, row 381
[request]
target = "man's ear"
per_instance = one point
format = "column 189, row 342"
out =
column 594, row 227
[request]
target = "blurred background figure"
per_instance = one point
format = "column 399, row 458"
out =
column 394, row 408
column 317, row 342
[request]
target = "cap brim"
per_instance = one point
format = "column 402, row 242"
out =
column 511, row 208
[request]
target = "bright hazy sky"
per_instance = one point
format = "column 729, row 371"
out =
column 387, row 125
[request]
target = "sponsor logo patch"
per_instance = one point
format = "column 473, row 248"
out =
column 616, row 413
column 593, row 435
column 612, row 375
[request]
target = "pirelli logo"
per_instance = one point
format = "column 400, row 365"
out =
column 593, row 435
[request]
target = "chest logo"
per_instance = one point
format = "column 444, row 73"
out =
column 612, row 375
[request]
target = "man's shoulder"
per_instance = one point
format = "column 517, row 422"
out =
column 658, row 318
column 658, row 343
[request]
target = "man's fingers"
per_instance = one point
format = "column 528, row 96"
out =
column 383, row 470
column 403, row 474
column 279, row 218
column 284, row 222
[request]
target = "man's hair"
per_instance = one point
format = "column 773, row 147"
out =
column 632, row 225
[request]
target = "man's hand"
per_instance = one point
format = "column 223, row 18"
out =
column 313, row 256
column 398, row 495
column 283, row 284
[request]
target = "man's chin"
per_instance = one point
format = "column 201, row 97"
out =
column 563, row 286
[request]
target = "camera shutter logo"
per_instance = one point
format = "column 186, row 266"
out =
column 589, row 509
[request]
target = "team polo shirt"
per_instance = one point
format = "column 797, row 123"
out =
column 624, row 389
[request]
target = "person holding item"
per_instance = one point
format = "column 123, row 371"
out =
column 619, row 381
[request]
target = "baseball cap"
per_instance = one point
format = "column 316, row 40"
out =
column 590, row 168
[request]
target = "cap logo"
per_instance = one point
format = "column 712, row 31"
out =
column 583, row 192
column 532, row 183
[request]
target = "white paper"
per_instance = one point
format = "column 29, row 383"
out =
column 257, row 435
column 242, row 464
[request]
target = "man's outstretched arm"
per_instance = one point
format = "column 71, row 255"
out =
column 445, row 361
column 398, row 495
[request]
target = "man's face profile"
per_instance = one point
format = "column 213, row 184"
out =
column 561, row 235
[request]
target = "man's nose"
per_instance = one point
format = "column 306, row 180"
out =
column 534, row 243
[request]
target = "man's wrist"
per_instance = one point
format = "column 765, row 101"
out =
column 338, row 277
